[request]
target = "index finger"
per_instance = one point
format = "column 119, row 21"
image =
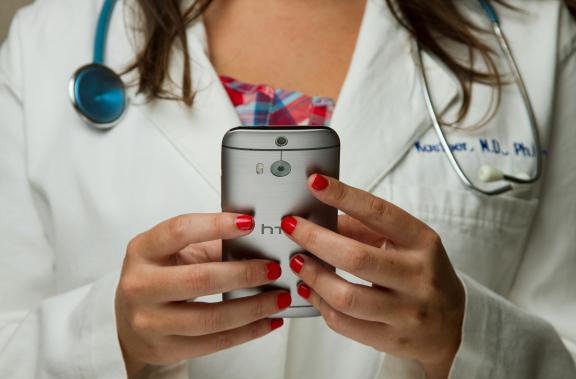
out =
column 386, row 268
column 174, row 234
column 378, row 214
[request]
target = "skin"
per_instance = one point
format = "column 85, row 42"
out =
column 177, row 260
column 317, row 38
column 415, row 305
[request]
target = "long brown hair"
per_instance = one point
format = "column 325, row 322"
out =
column 430, row 22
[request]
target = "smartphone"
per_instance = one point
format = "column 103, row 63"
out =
column 264, row 173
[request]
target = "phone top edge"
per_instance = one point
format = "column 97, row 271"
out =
column 281, row 138
column 280, row 127
column 283, row 149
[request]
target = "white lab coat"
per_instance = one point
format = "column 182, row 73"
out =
column 72, row 197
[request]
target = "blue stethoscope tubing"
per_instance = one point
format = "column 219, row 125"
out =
column 96, row 91
column 99, row 96
column 489, row 173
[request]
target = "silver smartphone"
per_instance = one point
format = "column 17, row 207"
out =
column 264, row 173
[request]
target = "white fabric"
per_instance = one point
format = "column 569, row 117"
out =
column 72, row 197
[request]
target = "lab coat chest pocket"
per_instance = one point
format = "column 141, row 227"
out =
column 484, row 236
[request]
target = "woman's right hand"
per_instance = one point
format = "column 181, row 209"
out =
column 179, row 260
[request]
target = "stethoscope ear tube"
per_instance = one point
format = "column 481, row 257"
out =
column 97, row 92
column 99, row 96
column 442, row 137
column 490, row 11
column 487, row 173
column 505, row 47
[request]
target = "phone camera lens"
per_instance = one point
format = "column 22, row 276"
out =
column 281, row 141
column 280, row 168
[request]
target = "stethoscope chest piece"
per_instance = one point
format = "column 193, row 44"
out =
column 98, row 94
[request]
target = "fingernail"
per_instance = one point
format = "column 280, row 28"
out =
column 275, row 323
column 296, row 263
column 274, row 270
column 303, row 290
column 319, row 183
column 283, row 300
column 288, row 224
column 245, row 222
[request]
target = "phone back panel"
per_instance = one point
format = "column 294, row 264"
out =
column 249, row 186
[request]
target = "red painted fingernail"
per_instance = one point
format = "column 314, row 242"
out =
column 283, row 300
column 296, row 263
column 304, row 290
column 245, row 222
column 288, row 224
column 274, row 270
column 319, row 183
column 275, row 323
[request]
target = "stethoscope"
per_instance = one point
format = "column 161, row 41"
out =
column 99, row 97
column 488, row 173
column 98, row 93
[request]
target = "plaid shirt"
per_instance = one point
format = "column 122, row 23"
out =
column 262, row 105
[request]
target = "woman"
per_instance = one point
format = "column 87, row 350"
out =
column 435, row 280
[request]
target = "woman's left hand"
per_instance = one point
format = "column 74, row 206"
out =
column 415, row 305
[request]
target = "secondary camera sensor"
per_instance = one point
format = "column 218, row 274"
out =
column 281, row 141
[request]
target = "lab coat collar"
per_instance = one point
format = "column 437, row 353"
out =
column 381, row 110
column 379, row 114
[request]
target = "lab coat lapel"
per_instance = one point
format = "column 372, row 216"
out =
column 196, row 132
column 379, row 115
column 381, row 111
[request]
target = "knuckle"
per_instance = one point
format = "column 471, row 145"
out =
column 259, row 309
column 418, row 316
column 132, row 246
column 312, row 274
column 199, row 280
column 252, row 274
column 254, row 332
column 311, row 237
column 430, row 285
column 142, row 323
column 360, row 260
column 332, row 318
column 340, row 193
column 219, row 224
column 157, row 351
column 379, row 208
column 417, row 266
column 345, row 298
column 401, row 343
column 212, row 321
column 224, row 341
column 131, row 287
column 422, row 267
column 258, row 329
column 432, row 240
column 177, row 227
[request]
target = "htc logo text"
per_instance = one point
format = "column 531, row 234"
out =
column 266, row 229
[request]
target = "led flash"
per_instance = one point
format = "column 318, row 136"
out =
column 259, row 168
